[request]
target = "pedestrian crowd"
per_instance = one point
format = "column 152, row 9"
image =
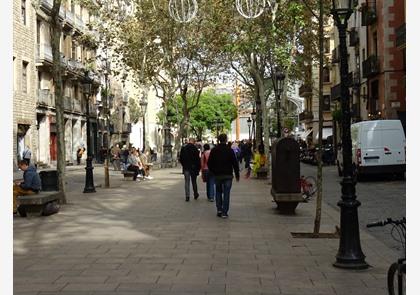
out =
column 218, row 166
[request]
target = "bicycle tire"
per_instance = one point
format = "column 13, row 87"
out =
column 393, row 280
column 313, row 187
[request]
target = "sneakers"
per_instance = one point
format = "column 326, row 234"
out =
column 187, row 199
column 148, row 177
column 224, row 216
column 196, row 196
column 210, row 200
column 219, row 214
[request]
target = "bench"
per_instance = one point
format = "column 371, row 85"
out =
column 262, row 173
column 38, row 203
column 127, row 174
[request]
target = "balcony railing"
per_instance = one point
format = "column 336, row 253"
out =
column 46, row 4
column 45, row 98
column 44, row 53
column 77, row 105
column 354, row 37
column 369, row 13
column 335, row 55
column 355, row 79
column 69, row 17
column 400, row 36
column 370, row 66
column 355, row 110
column 306, row 115
column 80, row 25
column 305, row 90
column 68, row 103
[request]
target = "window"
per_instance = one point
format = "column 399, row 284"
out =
column 23, row 11
column 327, row 104
column 326, row 75
column 24, row 77
column 327, row 45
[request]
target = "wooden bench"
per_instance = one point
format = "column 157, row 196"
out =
column 36, row 203
column 127, row 174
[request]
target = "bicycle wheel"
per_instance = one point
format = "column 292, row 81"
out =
column 311, row 185
column 393, row 284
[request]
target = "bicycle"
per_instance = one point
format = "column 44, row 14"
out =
column 308, row 186
column 396, row 271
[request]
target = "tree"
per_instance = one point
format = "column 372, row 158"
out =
column 211, row 106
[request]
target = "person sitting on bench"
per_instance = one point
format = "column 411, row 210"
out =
column 31, row 183
column 134, row 163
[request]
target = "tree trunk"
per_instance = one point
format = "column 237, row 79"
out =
column 59, row 105
column 317, row 222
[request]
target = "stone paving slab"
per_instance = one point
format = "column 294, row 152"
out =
column 143, row 238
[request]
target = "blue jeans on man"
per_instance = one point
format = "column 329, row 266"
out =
column 223, row 187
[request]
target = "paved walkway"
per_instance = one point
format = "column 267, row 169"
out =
column 143, row 238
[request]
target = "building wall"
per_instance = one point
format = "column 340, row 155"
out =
column 23, row 103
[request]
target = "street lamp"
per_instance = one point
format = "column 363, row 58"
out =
column 143, row 107
column 279, row 78
column 167, row 146
column 350, row 253
column 249, row 122
column 87, row 91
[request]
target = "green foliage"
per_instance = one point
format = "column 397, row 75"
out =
column 211, row 106
column 134, row 110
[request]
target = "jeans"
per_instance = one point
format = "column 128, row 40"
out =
column 210, row 184
column 187, row 176
column 223, row 187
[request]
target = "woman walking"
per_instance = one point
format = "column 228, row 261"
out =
column 207, row 176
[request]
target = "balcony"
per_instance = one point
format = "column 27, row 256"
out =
column 370, row 66
column 68, row 103
column 336, row 92
column 80, row 25
column 126, row 128
column 306, row 116
column 44, row 53
column 355, row 79
column 47, row 5
column 45, row 98
column 74, row 65
column 77, row 105
column 69, row 20
column 400, row 36
column 355, row 111
column 369, row 13
column 354, row 37
column 305, row 90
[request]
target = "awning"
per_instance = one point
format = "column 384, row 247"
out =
column 305, row 134
column 325, row 133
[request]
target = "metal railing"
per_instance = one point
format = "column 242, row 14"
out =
column 45, row 97
column 336, row 92
column 369, row 13
column 70, row 17
column 305, row 90
column 370, row 66
column 79, row 23
column 44, row 53
column 306, row 115
column 77, row 105
column 354, row 37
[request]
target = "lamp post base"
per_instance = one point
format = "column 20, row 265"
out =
column 89, row 186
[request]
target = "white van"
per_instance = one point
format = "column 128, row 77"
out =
column 378, row 147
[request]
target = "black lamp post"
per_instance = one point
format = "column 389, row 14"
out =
column 279, row 78
column 143, row 106
column 249, row 122
column 167, row 145
column 350, row 253
column 87, row 91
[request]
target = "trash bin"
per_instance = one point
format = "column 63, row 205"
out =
column 49, row 180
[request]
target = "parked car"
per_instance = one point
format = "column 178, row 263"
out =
column 378, row 147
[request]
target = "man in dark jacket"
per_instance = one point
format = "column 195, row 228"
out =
column 31, row 182
column 190, row 161
column 222, row 163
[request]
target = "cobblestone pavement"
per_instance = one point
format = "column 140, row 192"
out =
column 143, row 238
column 380, row 197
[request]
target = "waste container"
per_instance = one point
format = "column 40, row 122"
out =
column 49, row 180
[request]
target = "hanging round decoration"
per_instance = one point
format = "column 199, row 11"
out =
column 183, row 11
column 250, row 8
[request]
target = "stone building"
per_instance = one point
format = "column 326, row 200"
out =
column 24, row 78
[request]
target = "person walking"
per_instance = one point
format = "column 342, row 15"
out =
column 207, row 176
column 246, row 152
column 222, row 162
column 190, row 161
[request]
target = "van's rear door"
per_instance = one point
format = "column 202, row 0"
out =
column 394, row 143
column 371, row 147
